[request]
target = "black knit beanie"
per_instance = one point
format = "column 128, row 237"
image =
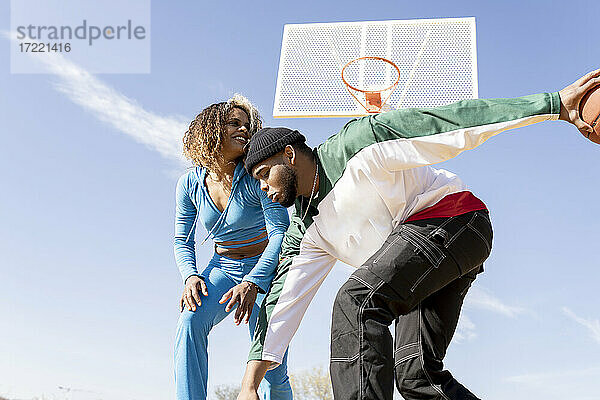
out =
column 269, row 141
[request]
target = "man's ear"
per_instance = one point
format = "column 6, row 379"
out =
column 290, row 154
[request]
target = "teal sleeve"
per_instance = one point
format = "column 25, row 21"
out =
column 414, row 137
column 185, row 223
column 466, row 114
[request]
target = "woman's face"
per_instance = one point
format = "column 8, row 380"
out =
column 236, row 134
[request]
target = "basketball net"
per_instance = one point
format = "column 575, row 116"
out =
column 371, row 81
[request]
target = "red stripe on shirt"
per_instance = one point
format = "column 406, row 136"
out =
column 451, row 205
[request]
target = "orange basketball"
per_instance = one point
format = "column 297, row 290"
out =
column 589, row 109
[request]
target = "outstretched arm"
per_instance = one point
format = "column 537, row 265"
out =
column 414, row 137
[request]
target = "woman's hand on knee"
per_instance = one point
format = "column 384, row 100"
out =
column 245, row 293
column 194, row 287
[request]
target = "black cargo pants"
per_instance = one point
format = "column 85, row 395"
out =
column 418, row 279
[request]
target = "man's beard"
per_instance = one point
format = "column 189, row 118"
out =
column 289, row 183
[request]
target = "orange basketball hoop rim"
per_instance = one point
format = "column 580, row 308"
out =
column 374, row 104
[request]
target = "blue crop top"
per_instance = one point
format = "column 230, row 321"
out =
column 249, row 214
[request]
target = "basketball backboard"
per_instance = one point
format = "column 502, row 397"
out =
column 436, row 58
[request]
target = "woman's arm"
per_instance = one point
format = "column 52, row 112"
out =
column 185, row 218
column 260, row 277
column 184, row 246
column 277, row 221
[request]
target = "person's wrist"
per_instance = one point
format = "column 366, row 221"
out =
column 186, row 279
column 251, row 285
column 563, row 113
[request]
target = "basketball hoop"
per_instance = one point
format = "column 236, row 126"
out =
column 369, row 72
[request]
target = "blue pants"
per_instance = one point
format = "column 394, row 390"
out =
column 191, row 342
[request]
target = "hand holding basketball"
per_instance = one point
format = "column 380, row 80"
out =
column 589, row 110
column 580, row 105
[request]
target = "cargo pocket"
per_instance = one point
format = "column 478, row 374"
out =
column 426, row 248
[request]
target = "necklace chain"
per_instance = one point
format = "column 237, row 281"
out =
column 312, row 192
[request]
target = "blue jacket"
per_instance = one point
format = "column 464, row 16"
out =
column 248, row 213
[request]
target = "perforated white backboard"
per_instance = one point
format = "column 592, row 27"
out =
column 437, row 59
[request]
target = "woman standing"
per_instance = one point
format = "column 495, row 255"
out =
column 247, row 229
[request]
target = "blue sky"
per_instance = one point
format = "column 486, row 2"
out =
column 88, row 165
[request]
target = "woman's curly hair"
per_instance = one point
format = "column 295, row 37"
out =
column 202, row 143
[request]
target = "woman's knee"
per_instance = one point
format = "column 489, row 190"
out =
column 194, row 321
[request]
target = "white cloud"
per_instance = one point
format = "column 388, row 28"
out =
column 593, row 325
column 160, row 133
column 552, row 377
column 555, row 385
column 465, row 330
column 479, row 298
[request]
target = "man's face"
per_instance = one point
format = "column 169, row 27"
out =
column 278, row 179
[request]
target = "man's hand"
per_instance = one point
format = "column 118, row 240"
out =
column 570, row 98
column 194, row 285
column 245, row 293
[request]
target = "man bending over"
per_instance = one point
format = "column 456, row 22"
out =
column 368, row 197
